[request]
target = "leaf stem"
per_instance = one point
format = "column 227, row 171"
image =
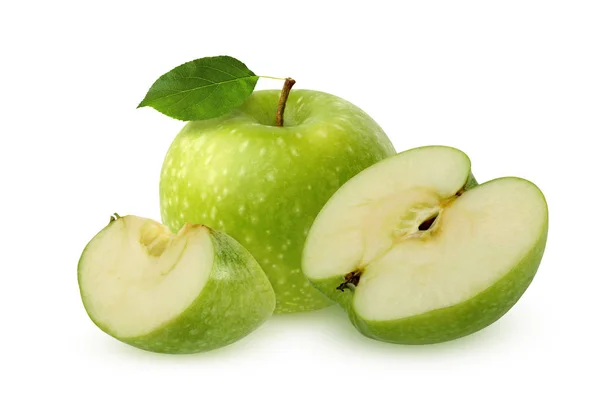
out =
column 271, row 78
column 285, row 92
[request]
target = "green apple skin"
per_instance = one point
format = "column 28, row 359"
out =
column 264, row 185
column 235, row 301
column 452, row 322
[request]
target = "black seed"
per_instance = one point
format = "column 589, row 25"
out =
column 425, row 225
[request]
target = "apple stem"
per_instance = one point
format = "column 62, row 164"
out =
column 285, row 92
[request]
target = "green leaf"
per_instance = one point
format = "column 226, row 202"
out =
column 201, row 89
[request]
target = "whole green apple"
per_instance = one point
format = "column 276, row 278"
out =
column 188, row 292
column 264, row 184
column 418, row 253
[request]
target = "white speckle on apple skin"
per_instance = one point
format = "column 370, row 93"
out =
column 294, row 152
column 280, row 256
column 208, row 159
column 300, row 99
column 262, row 151
column 244, row 145
column 269, row 248
column 241, row 211
column 280, row 141
column 213, row 213
column 298, row 135
column 225, row 191
column 212, row 174
column 242, row 171
column 233, row 131
column 270, row 176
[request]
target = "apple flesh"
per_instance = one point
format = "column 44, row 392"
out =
column 264, row 184
column 188, row 292
column 418, row 253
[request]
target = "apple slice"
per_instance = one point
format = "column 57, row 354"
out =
column 418, row 253
column 192, row 291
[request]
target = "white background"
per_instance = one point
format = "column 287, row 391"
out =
column 515, row 84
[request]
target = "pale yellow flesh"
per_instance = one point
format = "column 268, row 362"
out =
column 136, row 276
column 371, row 224
column 380, row 206
column 477, row 240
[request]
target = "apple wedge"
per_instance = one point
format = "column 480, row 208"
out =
column 188, row 292
column 418, row 253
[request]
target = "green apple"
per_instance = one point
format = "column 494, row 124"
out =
column 418, row 253
column 264, row 184
column 188, row 292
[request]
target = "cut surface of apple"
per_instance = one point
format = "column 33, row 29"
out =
column 417, row 252
column 176, row 293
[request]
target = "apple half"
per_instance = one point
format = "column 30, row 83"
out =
column 418, row 253
column 192, row 291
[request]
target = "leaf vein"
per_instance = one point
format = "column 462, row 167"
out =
column 198, row 88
